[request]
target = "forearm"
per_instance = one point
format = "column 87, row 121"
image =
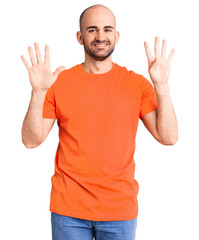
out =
column 32, row 129
column 167, row 125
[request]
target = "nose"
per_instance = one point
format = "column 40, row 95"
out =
column 100, row 36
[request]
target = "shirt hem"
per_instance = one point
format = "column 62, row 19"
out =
column 85, row 217
column 148, row 111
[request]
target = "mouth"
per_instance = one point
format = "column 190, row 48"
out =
column 100, row 45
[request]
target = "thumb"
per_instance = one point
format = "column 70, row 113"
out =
column 58, row 70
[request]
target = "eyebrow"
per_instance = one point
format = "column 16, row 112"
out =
column 96, row 27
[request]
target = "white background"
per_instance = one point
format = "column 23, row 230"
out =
column 167, row 175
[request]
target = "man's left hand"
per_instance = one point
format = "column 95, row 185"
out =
column 159, row 66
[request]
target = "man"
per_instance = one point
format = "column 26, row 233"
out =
column 97, row 105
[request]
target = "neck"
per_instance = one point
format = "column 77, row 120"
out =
column 97, row 67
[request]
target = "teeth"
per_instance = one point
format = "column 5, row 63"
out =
column 100, row 44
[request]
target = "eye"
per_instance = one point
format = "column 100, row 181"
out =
column 108, row 30
column 91, row 30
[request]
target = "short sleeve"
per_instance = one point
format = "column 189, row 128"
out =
column 49, row 107
column 148, row 98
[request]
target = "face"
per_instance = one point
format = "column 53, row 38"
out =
column 98, row 33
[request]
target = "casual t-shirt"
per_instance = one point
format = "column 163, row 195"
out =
column 97, row 115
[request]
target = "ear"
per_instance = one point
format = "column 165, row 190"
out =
column 117, row 36
column 79, row 37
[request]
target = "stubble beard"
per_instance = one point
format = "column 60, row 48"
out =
column 93, row 54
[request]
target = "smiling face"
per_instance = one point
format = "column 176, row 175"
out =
column 98, row 33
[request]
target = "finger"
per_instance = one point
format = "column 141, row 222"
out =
column 47, row 55
column 157, row 48
column 38, row 53
column 171, row 55
column 32, row 58
column 164, row 46
column 25, row 62
column 148, row 52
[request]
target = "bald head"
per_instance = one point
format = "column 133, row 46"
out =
column 92, row 10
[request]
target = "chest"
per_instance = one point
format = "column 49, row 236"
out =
column 108, row 103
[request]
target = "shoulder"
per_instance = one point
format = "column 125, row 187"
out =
column 65, row 74
column 132, row 75
column 69, row 70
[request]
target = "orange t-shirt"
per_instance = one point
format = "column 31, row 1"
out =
column 97, row 115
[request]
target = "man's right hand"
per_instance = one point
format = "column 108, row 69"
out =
column 40, row 74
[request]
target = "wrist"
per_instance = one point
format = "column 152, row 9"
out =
column 38, row 93
column 161, row 89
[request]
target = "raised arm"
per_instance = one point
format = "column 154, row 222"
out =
column 162, row 123
column 35, row 128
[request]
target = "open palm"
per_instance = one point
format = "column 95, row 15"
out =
column 40, row 74
column 159, row 66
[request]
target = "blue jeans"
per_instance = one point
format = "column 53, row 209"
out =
column 70, row 228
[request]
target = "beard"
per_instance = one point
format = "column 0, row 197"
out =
column 97, row 55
